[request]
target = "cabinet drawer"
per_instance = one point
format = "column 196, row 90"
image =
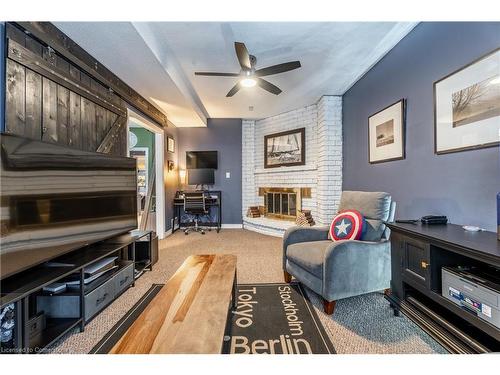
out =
column 124, row 278
column 64, row 306
column 416, row 261
column 99, row 298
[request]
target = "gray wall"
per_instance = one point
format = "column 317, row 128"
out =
column 224, row 136
column 461, row 185
column 171, row 178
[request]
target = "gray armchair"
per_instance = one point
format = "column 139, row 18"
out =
column 342, row 269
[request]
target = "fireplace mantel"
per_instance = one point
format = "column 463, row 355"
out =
column 286, row 169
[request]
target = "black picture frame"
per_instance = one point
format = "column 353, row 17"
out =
column 434, row 97
column 267, row 138
column 170, row 144
column 402, row 102
column 170, row 165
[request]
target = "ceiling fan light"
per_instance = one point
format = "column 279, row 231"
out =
column 248, row 82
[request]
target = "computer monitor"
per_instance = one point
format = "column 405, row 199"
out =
column 201, row 177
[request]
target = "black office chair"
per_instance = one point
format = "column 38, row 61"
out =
column 194, row 204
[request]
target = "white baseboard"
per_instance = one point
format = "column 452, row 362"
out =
column 167, row 233
column 232, row 226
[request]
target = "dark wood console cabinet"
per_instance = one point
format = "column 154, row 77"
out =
column 419, row 252
column 73, row 308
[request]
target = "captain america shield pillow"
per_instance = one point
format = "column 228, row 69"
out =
column 347, row 225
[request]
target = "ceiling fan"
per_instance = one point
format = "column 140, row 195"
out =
column 250, row 77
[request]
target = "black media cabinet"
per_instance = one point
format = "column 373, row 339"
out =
column 75, row 307
column 418, row 254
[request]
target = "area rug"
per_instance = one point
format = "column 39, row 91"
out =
column 269, row 318
column 275, row 319
column 111, row 338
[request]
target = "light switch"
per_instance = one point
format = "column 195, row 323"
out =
column 228, row 174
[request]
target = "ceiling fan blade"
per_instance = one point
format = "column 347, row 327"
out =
column 234, row 90
column 280, row 68
column 243, row 56
column 268, row 86
column 216, row 74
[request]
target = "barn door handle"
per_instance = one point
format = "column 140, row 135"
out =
column 16, row 52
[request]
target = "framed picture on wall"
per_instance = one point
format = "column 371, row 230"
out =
column 467, row 106
column 285, row 148
column 386, row 133
column 170, row 144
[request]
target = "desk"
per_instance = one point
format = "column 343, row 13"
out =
column 418, row 254
column 213, row 200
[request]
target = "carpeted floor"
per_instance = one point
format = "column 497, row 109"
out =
column 362, row 324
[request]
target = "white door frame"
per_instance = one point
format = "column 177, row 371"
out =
column 146, row 154
column 159, row 166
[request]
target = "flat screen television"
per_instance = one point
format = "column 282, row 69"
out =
column 201, row 160
column 56, row 199
column 201, row 177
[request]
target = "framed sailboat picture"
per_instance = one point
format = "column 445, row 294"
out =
column 285, row 149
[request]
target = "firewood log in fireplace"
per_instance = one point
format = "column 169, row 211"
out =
column 304, row 218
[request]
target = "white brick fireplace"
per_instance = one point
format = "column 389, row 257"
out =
column 322, row 172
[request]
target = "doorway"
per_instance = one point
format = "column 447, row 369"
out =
column 145, row 144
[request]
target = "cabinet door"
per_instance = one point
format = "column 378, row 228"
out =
column 154, row 250
column 397, row 265
column 416, row 267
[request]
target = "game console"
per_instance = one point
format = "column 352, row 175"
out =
column 475, row 290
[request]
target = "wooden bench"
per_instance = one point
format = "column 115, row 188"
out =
column 190, row 312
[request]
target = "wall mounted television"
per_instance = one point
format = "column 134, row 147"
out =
column 56, row 199
column 201, row 160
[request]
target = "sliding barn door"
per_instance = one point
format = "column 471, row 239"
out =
column 50, row 99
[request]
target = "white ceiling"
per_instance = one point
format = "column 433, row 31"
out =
column 158, row 59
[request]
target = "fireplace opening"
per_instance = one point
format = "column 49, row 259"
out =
column 282, row 203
